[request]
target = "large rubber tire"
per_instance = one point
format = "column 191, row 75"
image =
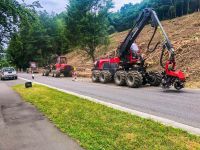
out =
column 120, row 78
column 65, row 74
column 46, row 73
column 95, row 75
column 155, row 78
column 178, row 84
column 105, row 77
column 134, row 79
column 57, row 75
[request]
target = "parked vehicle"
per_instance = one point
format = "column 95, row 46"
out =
column 8, row 73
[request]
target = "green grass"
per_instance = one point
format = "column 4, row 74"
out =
column 97, row 127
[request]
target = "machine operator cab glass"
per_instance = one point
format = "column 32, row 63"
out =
column 136, row 53
column 135, row 50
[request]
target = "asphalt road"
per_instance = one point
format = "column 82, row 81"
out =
column 180, row 106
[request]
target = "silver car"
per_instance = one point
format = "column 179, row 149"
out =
column 8, row 73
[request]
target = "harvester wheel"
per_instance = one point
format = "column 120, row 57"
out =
column 57, row 74
column 105, row 77
column 178, row 84
column 95, row 75
column 68, row 71
column 134, row 79
column 155, row 78
column 120, row 78
column 53, row 73
column 65, row 74
column 46, row 73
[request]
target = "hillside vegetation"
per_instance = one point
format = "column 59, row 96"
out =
column 184, row 33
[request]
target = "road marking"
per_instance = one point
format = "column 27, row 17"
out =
column 162, row 120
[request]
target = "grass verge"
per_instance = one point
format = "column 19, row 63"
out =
column 97, row 127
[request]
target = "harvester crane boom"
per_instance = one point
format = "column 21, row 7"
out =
column 144, row 18
column 126, row 69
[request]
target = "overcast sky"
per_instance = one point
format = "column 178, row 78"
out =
column 59, row 5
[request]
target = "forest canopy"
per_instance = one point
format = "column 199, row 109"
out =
column 166, row 9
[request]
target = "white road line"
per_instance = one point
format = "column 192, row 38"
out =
column 162, row 120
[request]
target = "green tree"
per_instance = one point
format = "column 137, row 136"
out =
column 38, row 41
column 11, row 14
column 166, row 9
column 87, row 24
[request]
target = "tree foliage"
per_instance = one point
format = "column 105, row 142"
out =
column 87, row 24
column 11, row 14
column 37, row 42
column 4, row 63
column 166, row 9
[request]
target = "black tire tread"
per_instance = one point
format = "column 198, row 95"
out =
column 96, row 73
column 138, row 79
column 158, row 78
column 107, row 77
column 122, row 74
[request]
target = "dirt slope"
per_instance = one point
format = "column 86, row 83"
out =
column 184, row 33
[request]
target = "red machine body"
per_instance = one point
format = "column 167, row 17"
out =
column 173, row 72
column 117, row 60
column 60, row 67
column 129, row 69
column 101, row 62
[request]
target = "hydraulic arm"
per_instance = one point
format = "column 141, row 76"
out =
column 129, row 69
column 147, row 16
column 170, row 76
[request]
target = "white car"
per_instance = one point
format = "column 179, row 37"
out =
column 8, row 73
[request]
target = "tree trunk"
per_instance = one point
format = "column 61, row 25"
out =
column 199, row 6
column 93, row 58
column 188, row 6
column 182, row 7
column 174, row 3
column 90, row 53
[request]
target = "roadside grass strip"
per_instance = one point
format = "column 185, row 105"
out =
column 97, row 127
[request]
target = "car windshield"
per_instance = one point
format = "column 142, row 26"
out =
column 8, row 69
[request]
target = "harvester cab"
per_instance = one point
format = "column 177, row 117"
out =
column 132, row 71
column 61, row 63
column 59, row 68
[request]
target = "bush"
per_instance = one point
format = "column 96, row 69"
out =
column 4, row 63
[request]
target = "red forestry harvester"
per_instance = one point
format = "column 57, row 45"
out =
column 33, row 68
column 126, row 69
column 61, row 67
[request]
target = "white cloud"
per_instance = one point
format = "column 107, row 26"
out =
column 60, row 5
column 54, row 5
column 119, row 3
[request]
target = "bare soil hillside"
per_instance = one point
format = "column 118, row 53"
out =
column 184, row 33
